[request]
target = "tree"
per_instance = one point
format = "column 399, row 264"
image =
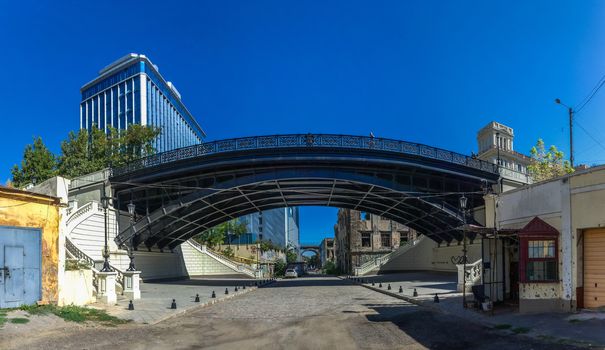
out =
column 216, row 235
column 549, row 164
column 92, row 150
column 85, row 152
column 291, row 255
column 38, row 164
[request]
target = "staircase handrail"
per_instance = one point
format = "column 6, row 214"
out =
column 224, row 260
column 79, row 212
column 379, row 261
column 472, row 275
column 78, row 254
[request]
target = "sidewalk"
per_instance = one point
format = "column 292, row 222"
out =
column 585, row 328
column 156, row 298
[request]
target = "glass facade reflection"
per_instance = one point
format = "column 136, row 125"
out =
column 131, row 91
column 280, row 226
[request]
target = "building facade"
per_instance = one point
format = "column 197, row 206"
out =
column 360, row 237
column 326, row 251
column 548, row 255
column 280, row 226
column 496, row 145
column 132, row 91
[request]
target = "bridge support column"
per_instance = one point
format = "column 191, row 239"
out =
column 131, row 285
column 106, row 287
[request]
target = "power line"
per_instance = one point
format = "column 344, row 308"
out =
column 590, row 135
column 589, row 97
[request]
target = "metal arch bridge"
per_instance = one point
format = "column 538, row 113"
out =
column 180, row 193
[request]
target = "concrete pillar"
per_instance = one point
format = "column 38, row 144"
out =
column 132, row 290
column 106, row 287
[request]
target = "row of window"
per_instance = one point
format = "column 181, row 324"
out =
column 176, row 132
column 169, row 95
column 366, row 239
column 111, row 80
column 116, row 107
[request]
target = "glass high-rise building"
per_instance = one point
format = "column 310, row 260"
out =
column 280, row 226
column 132, row 91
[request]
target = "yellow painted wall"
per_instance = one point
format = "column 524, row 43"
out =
column 24, row 209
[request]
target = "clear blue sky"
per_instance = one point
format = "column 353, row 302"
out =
column 425, row 71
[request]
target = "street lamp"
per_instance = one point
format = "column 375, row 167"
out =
column 463, row 203
column 105, row 204
column 131, row 208
column 571, row 113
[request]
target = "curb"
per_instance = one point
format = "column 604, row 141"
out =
column 410, row 300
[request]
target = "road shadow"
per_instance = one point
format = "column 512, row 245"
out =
column 439, row 331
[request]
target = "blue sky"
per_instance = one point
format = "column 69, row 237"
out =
column 433, row 72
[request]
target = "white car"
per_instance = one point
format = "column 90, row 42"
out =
column 291, row 273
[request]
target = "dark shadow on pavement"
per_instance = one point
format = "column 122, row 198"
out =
column 441, row 331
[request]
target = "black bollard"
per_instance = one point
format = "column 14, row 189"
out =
column 372, row 283
column 130, row 305
column 380, row 285
column 415, row 292
column 226, row 291
column 244, row 286
column 436, row 298
column 173, row 305
column 400, row 289
column 213, row 294
column 236, row 288
column 389, row 287
column 197, row 298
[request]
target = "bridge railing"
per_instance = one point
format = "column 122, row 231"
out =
column 306, row 140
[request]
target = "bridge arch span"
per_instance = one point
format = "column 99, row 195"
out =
column 180, row 193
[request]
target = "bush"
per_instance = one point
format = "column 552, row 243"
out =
column 330, row 268
column 228, row 252
column 280, row 268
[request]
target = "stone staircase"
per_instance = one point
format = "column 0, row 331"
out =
column 201, row 260
column 374, row 265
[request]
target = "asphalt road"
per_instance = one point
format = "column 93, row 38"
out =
column 306, row 313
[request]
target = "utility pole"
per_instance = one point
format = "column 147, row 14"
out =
column 570, row 135
column 571, row 113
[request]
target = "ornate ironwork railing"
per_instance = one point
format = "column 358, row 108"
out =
column 303, row 141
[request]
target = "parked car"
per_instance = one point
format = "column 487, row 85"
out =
column 291, row 273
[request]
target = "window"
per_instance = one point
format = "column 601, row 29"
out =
column 366, row 239
column 541, row 263
column 538, row 252
column 385, row 239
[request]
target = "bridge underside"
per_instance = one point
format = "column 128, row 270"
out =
column 178, row 202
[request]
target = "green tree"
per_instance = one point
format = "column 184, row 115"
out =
column 38, row 164
column 134, row 143
column 92, row 150
column 549, row 164
column 280, row 268
column 291, row 255
column 217, row 235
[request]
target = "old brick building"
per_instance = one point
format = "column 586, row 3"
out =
column 360, row 237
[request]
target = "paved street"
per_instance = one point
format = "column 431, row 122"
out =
column 305, row 313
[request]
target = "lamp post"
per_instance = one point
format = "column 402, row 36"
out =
column 131, row 208
column 463, row 201
column 571, row 113
column 105, row 204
